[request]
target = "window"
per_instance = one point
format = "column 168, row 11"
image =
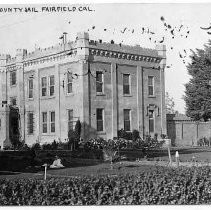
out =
column 70, row 119
column 127, row 120
column 30, row 88
column 52, row 83
column 69, row 82
column 52, row 122
column 44, row 122
column 151, row 85
column 44, row 86
column 13, row 101
column 30, row 123
column 99, row 82
column 126, row 83
column 99, row 116
column 13, row 78
column 151, row 121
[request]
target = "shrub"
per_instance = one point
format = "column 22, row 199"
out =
column 204, row 142
column 77, row 133
column 71, row 139
column 135, row 135
column 25, row 147
column 46, row 146
column 125, row 134
column 36, row 146
column 186, row 186
column 54, row 145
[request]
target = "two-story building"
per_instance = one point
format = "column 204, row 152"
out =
column 106, row 86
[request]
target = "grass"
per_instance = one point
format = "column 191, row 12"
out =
column 95, row 170
column 188, row 154
column 83, row 167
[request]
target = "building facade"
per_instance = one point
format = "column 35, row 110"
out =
column 106, row 86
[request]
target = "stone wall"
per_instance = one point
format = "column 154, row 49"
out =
column 185, row 132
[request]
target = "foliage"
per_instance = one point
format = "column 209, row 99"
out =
column 170, row 104
column 110, row 150
column 46, row 146
column 124, row 134
column 150, row 142
column 198, row 90
column 24, row 147
column 77, row 131
column 135, row 135
column 204, row 142
column 36, row 146
column 162, row 186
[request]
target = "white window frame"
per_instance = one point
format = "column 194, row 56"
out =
column 11, row 77
column 103, row 120
column 46, row 86
column 29, row 124
column 70, row 121
column 52, row 122
column 69, row 73
column 101, row 83
column 30, row 89
column 45, row 122
column 129, row 84
column 125, row 120
column 153, row 118
column 153, row 85
column 49, row 89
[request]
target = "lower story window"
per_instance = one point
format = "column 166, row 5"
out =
column 52, row 122
column 127, row 113
column 70, row 119
column 30, row 123
column 151, row 121
column 44, row 122
column 99, row 116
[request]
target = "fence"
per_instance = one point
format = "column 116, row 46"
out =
column 185, row 132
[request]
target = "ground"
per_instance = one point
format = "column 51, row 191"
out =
column 93, row 167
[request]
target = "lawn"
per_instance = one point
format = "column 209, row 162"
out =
column 94, row 170
column 83, row 167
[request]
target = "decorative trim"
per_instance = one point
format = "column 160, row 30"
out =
column 126, row 56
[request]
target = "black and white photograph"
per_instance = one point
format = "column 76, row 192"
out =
column 105, row 104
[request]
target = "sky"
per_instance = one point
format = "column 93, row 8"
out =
column 108, row 22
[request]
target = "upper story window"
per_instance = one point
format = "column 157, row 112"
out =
column 127, row 117
column 100, row 118
column 30, row 88
column 51, row 84
column 44, row 86
column 126, row 84
column 151, row 86
column 13, row 78
column 99, row 82
column 69, row 82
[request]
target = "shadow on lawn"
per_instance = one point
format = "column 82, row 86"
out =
column 34, row 166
